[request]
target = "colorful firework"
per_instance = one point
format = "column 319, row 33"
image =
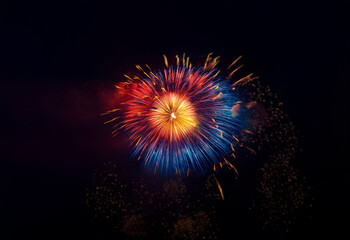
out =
column 266, row 134
column 181, row 118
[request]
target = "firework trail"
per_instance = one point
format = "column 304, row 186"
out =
column 182, row 118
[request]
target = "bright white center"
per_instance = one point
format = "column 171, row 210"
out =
column 173, row 115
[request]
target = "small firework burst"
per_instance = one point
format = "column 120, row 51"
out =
column 143, row 209
column 106, row 195
column 193, row 227
column 133, row 226
column 181, row 118
column 282, row 190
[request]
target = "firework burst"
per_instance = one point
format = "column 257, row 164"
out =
column 181, row 118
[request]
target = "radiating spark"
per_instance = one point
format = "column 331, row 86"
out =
column 111, row 111
column 111, row 120
column 233, row 72
column 234, row 62
column 250, row 149
column 220, row 189
column 165, row 60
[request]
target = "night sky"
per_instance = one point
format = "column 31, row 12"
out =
column 60, row 59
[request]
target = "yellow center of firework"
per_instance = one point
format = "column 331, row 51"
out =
column 173, row 116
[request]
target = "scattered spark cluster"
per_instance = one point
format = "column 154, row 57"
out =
column 146, row 210
column 281, row 194
column 192, row 226
column 182, row 118
column 282, row 190
column 106, row 195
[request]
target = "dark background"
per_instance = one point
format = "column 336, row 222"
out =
column 59, row 57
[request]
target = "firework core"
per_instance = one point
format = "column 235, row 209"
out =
column 173, row 117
